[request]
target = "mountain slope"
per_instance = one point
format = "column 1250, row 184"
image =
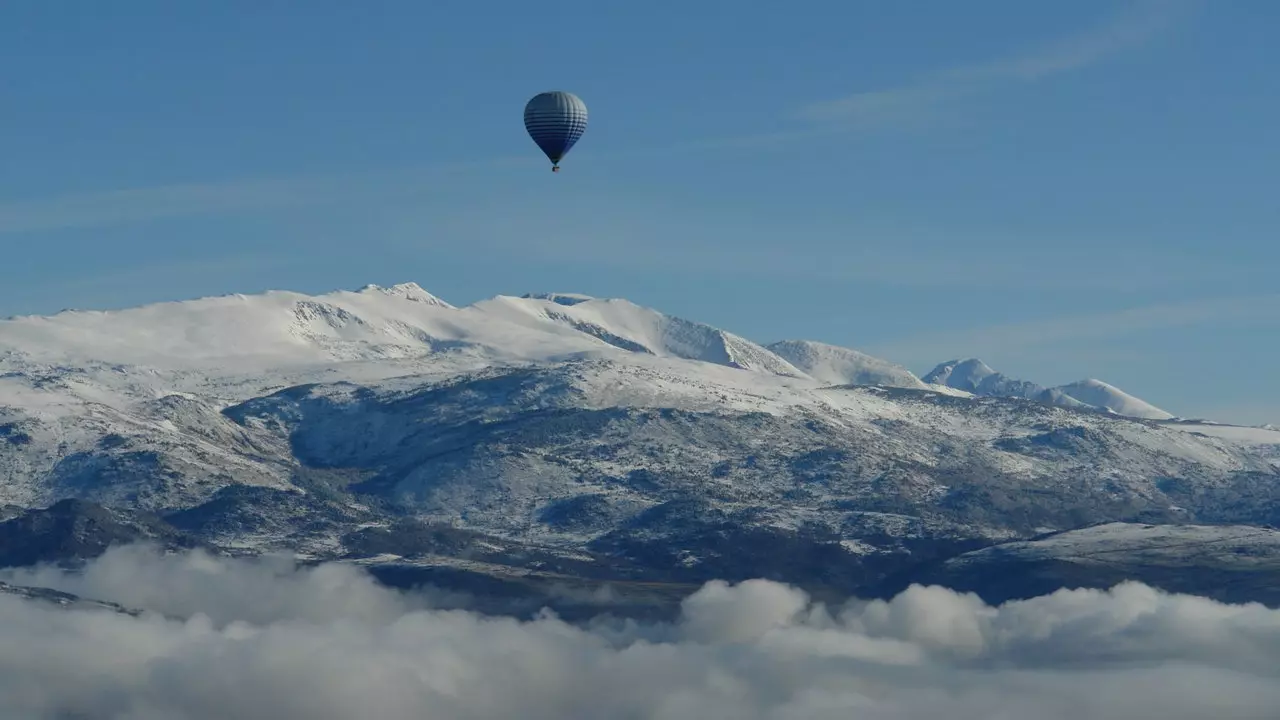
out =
column 975, row 376
column 500, row 449
column 1098, row 394
column 238, row 334
column 843, row 366
column 74, row 529
column 271, row 329
column 1230, row 563
column 592, row 436
column 631, row 327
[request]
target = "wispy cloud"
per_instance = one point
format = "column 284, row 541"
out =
column 133, row 205
column 1009, row 337
column 1133, row 25
column 97, row 209
column 645, row 232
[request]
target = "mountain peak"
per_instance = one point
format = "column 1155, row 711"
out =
column 975, row 376
column 962, row 374
column 628, row 326
column 843, row 366
column 1110, row 398
column 559, row 298
column 407, row 290
column 248, row 334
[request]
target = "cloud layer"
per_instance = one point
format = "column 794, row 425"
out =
column 263, row 639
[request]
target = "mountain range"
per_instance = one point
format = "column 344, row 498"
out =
column 522, row 445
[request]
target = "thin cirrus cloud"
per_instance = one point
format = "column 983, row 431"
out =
column 1132, row 26
column 1257, row 309
column 640, row 232
column 142, row 204
column 122, row 207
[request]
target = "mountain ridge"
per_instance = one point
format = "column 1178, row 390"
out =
column 564, row 434
column 975, row 376
column 280, row 327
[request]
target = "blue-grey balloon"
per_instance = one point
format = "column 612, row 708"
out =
column 555, row 120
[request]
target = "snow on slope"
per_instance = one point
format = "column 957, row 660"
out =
column 233, row 347
column 628, row 326
column 70, row 380
column 975, row 376
column 843, row 366
column 1101, row 395
column 1055, row 396
column 490, row 412
column 241, row 334
column 497, row 451
column 1235, row 433
column 559, row 298
column 1229, row 562
column 1174, row 545
column 247, row 335
column 272, row 327
column 960, row 374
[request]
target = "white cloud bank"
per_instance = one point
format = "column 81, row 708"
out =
column 265, row 640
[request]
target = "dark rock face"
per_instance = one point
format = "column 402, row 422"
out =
column 61, row 599
column 75, row 530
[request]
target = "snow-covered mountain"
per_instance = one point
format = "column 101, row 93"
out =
column 627, row 326
column 1230, row 563
column 975, row 376
column 567, row 435
column 238, row 334
column 843, row 366
column 1098, row 394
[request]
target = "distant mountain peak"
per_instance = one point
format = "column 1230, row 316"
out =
column 247, row 335
column 636, row 328
column 407, row 290
column 975, row 376
column 843, row 366
column 1112, row 399
column 962, row 374
column 559, row 298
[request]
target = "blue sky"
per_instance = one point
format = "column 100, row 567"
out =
column 1063, row 189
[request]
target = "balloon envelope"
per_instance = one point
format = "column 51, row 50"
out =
column 555, row 120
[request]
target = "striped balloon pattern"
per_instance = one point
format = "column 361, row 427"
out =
column 555, row 120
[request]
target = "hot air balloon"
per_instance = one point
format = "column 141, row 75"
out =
column 555, row 120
